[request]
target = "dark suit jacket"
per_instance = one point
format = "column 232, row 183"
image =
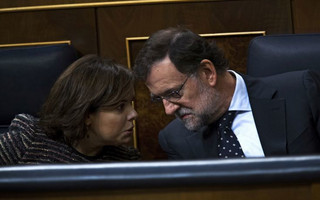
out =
column 286, row 111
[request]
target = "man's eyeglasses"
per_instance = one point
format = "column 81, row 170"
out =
column 172, row 96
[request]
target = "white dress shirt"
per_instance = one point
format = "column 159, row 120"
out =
column 243, row 125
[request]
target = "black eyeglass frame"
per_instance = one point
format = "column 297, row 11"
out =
column 175, row 94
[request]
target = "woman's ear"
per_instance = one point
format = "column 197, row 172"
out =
column 88, row 120
column 207, row 72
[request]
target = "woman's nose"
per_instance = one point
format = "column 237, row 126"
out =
column 133, row 114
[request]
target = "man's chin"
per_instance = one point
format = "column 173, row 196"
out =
column 191, row 124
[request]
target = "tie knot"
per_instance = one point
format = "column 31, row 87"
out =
column 226, row 120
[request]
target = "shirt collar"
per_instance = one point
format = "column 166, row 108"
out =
column 240, row 100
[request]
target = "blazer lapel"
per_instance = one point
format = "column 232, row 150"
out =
column 269, row 115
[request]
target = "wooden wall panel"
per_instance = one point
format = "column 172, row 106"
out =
column 117, row 23
column 306, row 16
column 76, row 25
column 120, row 22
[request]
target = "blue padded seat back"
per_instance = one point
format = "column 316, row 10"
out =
column 27, row 75
column 275, row 54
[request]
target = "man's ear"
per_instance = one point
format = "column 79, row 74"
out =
column 207, row 72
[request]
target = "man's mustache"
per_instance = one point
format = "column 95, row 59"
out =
column 183, row 111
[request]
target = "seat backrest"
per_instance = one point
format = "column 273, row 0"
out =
column 275, row 54
column 27, row 75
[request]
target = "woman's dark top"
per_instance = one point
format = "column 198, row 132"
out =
column 26, row 143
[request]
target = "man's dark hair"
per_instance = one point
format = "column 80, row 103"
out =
column 185, row 49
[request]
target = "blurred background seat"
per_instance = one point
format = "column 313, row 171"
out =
column 275, row 54
column 26, row 76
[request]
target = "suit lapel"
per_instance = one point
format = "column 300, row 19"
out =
column 269, row 115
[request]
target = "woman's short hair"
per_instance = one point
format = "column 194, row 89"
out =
column 87, row 85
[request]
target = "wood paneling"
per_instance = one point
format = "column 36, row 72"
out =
column 117, row 23
column 306, row 16
column 77, row 25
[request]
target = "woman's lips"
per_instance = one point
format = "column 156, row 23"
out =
column 129, row 131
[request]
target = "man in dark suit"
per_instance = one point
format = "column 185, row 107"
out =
column 274, row 116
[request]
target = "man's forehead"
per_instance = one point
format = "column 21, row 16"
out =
column 164, row 74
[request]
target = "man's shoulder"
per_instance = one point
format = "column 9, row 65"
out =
column 287, row 79
column 280, row 76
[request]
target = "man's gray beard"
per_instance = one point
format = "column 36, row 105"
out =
column 196, row 122
column 207, row 110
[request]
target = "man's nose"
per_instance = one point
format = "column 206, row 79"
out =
column 170, row 107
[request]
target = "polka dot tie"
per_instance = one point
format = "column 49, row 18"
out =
column 228, row 144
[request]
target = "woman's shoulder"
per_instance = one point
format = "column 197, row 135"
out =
column 18, row 139
column 23, row 121
column 26, row 123
column 25, row 117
